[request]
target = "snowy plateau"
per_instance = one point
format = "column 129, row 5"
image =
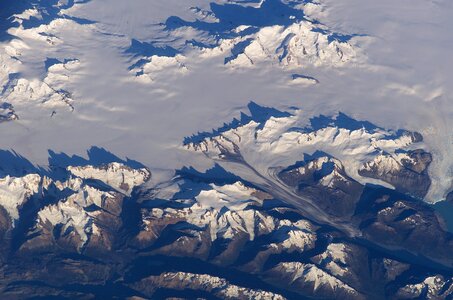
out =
column 226, row 149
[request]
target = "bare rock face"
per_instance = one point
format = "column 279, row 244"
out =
column 5, row 228
column 294, row 207
column 264, row 225
column 308, row 277
column 72, row 225
column 290, row 40
column 433, row 287
column 325, row 180
column 212, row 285
column 396, row 221
column 7, row 112
column 76, row 214
column 116, row 175
column 17, row 191
column 407, row 172
column 227, row 239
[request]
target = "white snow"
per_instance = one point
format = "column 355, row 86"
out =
column 435, row 286
column 116, row 175
column 311, row 273
column 336, row 256
column 226, row 211
column 405, row 80
column 278, row 145
column 220, row 285
column 235, row 196
column 15, row 191
column 206, row 211
column 156, row 64
column 70, row 212
column 301, row 237
column 384, row 164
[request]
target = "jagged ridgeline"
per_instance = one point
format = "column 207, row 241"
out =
column 293, row 207
column 234, row 34
column 244, row 35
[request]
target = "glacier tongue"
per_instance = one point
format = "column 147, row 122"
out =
column 290, row 201
column 170, row 61
column 268, row 142
column 212, row 232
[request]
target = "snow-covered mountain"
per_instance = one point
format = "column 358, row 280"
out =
column 35, row 29
column 269, row 139
column 262, row 223
column 314, row 193
column 244, row 37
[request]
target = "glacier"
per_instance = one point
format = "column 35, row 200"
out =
column 174, row 69
column 234, row 149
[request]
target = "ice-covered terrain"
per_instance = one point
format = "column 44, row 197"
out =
column 87, row 228
column 268, row 149
column 124, row 73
